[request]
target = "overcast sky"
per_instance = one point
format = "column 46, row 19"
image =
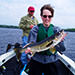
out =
column 12, row 10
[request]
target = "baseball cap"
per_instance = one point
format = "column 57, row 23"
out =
column 31, row 8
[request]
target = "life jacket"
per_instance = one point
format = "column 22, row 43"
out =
column 42, row 34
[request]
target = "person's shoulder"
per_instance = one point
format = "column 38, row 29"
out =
column 39, row 24
column 24, row 17
column 35, row 17
column 56, row 28
column 35, row 28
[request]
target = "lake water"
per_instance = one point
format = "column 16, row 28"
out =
column 12, row 36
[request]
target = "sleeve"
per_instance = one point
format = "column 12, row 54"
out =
column 60, row 47
column 33, row 34
column 24, row 58
column 22, row 23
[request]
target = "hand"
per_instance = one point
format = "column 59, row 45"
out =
column 28, row 50
column 28, row 53
column 63, row 37
column 31, row 26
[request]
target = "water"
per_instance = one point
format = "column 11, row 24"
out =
column 12, row 36
column 7, row 36
column 70, row 45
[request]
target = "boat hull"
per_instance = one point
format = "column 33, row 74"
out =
column 12, row 67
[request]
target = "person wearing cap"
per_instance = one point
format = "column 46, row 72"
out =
column 27, row 22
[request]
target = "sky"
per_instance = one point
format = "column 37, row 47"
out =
column 11, row 11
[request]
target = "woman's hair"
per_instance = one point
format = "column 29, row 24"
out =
column 48, row 7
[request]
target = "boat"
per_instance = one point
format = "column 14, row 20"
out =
column 10, row 65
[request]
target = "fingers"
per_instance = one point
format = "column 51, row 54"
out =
column 28, row 50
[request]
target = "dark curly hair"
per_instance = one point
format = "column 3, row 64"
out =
column 48, row 7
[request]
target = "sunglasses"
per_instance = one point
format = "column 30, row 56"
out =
column 31, row 11
column 45, row 16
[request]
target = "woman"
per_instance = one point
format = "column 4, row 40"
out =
column 45, row 61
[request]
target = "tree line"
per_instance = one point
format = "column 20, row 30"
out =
column 8, row 26
column 13, row 26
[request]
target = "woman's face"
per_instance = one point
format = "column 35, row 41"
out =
column 46, row 17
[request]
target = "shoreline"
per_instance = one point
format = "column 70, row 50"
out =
column 17, row 27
